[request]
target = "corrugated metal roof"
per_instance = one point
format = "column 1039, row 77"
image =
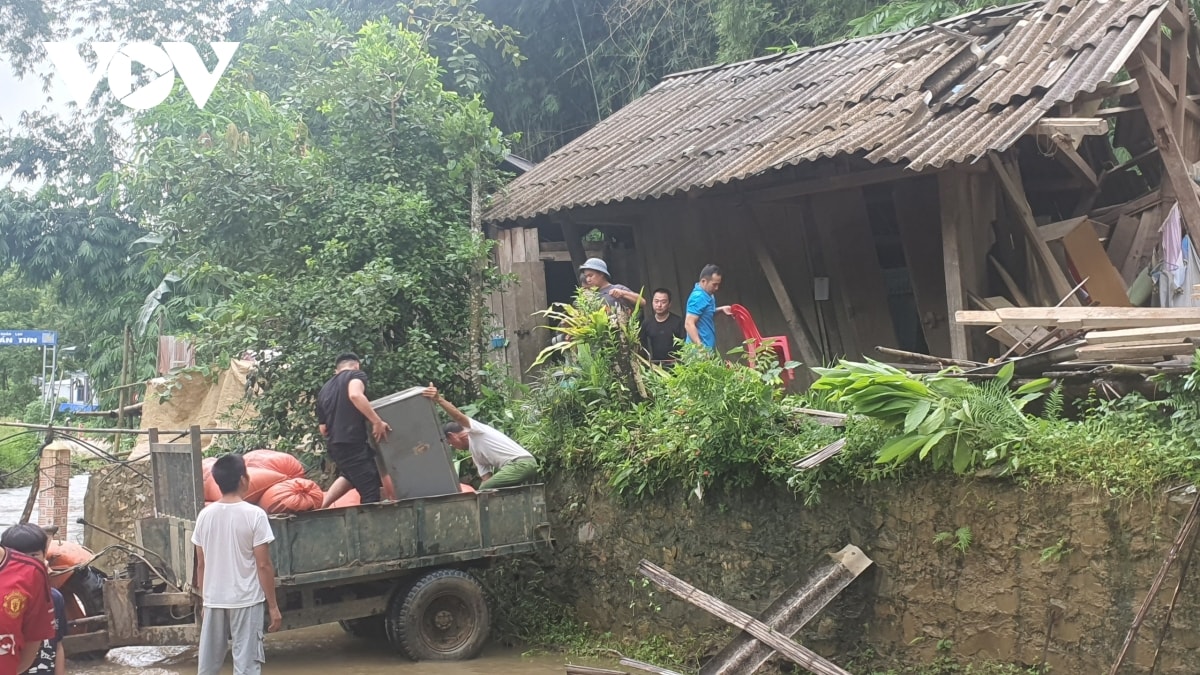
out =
column 934, row 95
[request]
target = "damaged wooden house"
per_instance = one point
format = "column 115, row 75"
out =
column 861, row 194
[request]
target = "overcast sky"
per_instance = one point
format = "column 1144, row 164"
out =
column 18, row 96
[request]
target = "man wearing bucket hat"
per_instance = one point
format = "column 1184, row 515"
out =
column 596, row 276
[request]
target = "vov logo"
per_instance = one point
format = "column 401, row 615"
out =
column 116, row 61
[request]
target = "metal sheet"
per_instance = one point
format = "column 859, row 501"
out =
column 415, row 454
column 862, row 97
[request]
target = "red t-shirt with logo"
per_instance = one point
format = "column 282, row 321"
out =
column 26, row 612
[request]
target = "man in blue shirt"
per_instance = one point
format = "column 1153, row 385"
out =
column 702, row 306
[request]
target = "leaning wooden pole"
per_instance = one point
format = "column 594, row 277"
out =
column 802, row 656
column 1185, row 532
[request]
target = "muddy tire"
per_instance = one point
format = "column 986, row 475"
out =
column 367, row 628
column 443, row 617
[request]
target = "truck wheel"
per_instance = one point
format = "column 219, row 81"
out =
column 444, row 617
column 367, row 628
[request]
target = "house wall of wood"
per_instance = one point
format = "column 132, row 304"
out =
column 877, row 248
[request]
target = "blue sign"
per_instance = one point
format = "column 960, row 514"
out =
column 28, row 338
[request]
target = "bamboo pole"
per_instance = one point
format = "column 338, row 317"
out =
column 1185, row 531
column 164, row 432
column 802, row 656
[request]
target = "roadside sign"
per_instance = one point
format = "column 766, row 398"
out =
column 28, row 338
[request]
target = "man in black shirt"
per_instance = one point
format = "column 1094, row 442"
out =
column 343, row 411
column 662, row 329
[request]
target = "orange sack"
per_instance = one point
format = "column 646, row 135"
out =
column 463, row 487
column 64, row 554
column 212, row 493
column 274, row 460
column 294, row 495
column 351, row 498
column 260, row 481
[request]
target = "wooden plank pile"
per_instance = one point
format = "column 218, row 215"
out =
column 767, row 636
column 1080, row 342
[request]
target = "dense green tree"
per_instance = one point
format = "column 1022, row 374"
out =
column 320, row 203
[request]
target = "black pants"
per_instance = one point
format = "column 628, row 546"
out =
column 356, row 463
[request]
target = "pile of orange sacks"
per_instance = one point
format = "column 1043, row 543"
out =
column 278, row 485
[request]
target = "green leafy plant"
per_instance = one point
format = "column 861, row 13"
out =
column 945, row 419
column 1056, row 552
column 962, row 539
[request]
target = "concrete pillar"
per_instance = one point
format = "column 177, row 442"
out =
column 54, row 487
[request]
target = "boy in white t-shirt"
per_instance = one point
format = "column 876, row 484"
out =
column 232, row 541
column 500, row 460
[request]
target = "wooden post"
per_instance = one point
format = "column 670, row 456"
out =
column 1178, row 171
column 955, row 207
column 476, row 301
column 573, row 236
column 801, row 335
column 123, row 394
column 915, row 202
column 1010, row 181
column 846, row 237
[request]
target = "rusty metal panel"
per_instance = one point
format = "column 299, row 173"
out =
column 415, row 454
column 924, row 98
column 176, row 475
column 339, row 544
column 121, row 610
column 169, row 541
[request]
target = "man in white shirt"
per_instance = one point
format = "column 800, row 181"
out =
column 500, row 461
column 232, row 540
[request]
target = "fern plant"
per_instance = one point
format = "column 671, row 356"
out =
column 944, row 419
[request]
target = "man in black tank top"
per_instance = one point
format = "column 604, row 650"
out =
column 343, row 412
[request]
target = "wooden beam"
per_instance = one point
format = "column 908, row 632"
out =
column 1089, row 317
column 801, row 334
column 1062, row 228
column 1174, row 18
column 1120, row 352
column 1121, row 240
column 968, row 208
column 1179, row 70
column 647, row 667
column 801, row 188
column 573, row 236
column 1141, row 249
column 1154, row 75
column 1070, row 158
column 802, row 656
column 917, row 218
column 1178, row 169
column 1070, row 126
column 1010, row 180
column 1182, row 332
column 1018, row 295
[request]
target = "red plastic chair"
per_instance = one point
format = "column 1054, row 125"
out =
column 778, row 343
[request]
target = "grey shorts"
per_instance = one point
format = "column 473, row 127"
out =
column 244, row 628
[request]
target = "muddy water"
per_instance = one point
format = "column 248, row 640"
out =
column 323, row 650
column 12, row 503
column 312, row 651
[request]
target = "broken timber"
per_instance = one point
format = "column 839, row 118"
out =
column 802, row 656
column 1081, row 317
column 647, row 667
column 790, row 612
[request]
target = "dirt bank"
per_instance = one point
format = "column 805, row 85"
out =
column 1047, row 568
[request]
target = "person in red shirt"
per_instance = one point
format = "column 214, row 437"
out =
column 26, row 612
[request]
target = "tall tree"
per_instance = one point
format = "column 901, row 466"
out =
column 321, row 198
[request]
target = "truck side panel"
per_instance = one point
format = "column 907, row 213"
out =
column 350, row 542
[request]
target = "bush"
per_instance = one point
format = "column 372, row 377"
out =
column 702, row 423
